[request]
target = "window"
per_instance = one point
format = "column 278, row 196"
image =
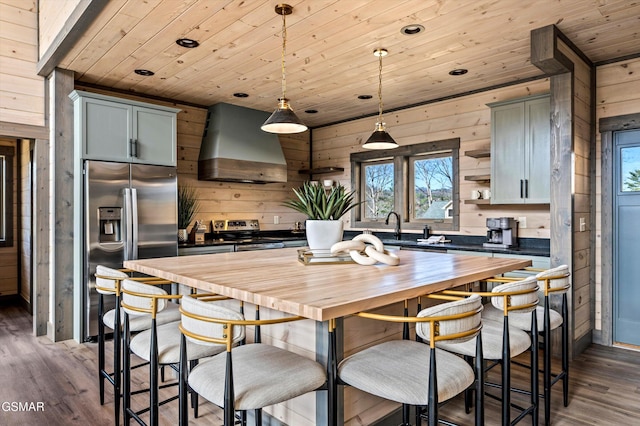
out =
column 630, row 168
column 6, row 196
column 420, row 182
column 432, row 187
column 377, row 179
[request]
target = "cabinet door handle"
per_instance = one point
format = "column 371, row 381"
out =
column 521, row 188
column 526, row 188
column 133, row 149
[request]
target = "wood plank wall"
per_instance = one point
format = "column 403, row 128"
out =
column 21, row 90
column 582, row 125
column 51, row 18
column 9, row 255
column 466, row 117
column 617, row 93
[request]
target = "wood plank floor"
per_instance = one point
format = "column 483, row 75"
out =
column 604, row 389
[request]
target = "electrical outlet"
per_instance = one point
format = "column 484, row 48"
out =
column 583, row 225
column 522, row 222
column 276, row 220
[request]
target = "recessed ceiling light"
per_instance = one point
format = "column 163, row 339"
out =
column 412, row 29
column 311, row 111
column 240, row 95
column 458, row 71
column 145, row 73
column 187, row 42
column 365, row 97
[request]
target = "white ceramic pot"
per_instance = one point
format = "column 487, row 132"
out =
column 322, row 234
column 182, row 236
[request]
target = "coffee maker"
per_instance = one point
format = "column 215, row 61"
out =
column 502, row 233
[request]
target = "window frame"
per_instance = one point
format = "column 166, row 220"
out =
column 402, row 197
column 7, row 154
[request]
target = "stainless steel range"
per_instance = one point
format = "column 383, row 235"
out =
column 245, row 234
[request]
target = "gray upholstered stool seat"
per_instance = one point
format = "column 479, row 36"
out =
column 245, row 377
column 507, row 299
column 417, row 374
column 523, row 321
column 262, row 375
column 169, row 345
column 143, row 322
column 492, row 331
column 552, row 282
column 399, row 371
column 160, row 344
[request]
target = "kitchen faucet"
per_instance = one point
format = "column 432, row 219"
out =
column 397, row 231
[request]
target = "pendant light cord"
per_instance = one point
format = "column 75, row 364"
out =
column 284, row 51
column 380, row 88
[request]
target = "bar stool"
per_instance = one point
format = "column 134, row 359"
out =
column 406, row 371
column 108, row 283
column 501, row 341
column 554, row 281
column 245, row 377
column 159, row 345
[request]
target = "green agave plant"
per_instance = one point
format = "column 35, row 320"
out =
column 319, row 203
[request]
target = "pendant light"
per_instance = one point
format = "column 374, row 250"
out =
column 283, row 119
column 380, row 139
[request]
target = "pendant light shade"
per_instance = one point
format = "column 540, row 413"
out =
column 380, row 139
column 283, row 120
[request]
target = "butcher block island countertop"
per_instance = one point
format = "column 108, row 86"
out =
column 276, row 279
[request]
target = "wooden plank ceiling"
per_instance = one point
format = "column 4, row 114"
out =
column 330, row 44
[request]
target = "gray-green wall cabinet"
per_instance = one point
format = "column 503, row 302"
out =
column 114, row 129
column 520, row 151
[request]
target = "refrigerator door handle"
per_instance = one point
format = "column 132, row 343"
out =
column 134, row 224
column 127, row 224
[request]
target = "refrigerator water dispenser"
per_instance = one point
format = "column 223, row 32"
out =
column 110, row 220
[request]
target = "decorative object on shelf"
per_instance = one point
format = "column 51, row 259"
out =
column 188, row 206
column 380, row 139
column 284, row 120
column 324, row 207
column 364, row 254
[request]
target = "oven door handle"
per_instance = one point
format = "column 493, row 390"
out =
column 259, row 246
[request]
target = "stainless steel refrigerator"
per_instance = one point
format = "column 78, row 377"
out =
column 130, row 212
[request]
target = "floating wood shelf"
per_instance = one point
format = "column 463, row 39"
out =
column 321, row 170
column 478, row 178
column 478, row 153
column 477, row 201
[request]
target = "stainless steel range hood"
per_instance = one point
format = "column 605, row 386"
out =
column 234, row 149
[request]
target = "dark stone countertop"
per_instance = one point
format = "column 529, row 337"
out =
column 526, row 246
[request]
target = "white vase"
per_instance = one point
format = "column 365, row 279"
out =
column 182, row 236
column 322, row 234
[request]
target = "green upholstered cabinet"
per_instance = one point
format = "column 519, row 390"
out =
column 520, row 151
